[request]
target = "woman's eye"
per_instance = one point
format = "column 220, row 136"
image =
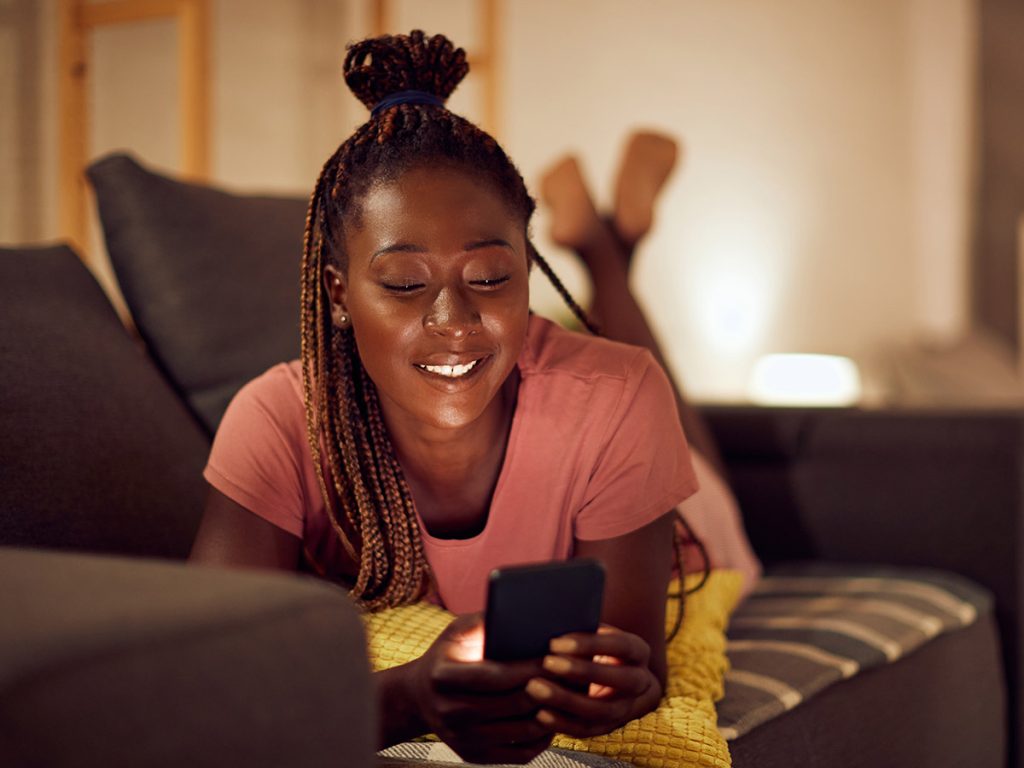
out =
column 490, row 282
column 402, row 287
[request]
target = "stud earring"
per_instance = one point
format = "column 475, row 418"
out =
column 343, row 320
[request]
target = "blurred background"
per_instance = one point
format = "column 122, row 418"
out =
column 852, row 175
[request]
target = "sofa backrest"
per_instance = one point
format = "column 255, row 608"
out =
column 96, row 451
column 211, row 278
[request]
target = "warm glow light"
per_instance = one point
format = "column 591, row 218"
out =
column 469, row 646
column 824, row 380
column 733, row 314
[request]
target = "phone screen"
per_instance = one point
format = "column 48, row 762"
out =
column 529, row 605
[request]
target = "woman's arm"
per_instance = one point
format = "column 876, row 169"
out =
column 638, row 567
column 231, row 535
column 479, row 707
column 623, row 666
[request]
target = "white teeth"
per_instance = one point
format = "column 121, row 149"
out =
column 451, row 371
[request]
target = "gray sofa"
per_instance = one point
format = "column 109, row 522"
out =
column 936, row 489
column 113, row 652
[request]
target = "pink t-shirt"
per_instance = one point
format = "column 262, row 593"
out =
column 595, row 451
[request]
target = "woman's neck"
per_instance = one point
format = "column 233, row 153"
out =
column 452, row 472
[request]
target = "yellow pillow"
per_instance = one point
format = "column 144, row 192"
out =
column 682, row 731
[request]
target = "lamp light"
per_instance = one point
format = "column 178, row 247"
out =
column 800, row 379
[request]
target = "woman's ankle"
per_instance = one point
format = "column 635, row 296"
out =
column 605, row 258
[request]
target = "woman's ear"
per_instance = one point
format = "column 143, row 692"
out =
column 337, row 291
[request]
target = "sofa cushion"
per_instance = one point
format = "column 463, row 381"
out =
column 211, row 278
column 96, row 450
column 810, row 628
column 942, row 706
column 163, row 664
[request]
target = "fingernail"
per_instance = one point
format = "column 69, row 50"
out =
column 538, row 689
column 557, row 664
column 564, row 645
column 545, row 717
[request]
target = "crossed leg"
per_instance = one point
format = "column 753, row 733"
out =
column 605, row 245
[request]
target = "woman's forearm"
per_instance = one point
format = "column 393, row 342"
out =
column 400, row 719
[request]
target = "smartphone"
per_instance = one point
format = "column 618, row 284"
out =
column 528, row 605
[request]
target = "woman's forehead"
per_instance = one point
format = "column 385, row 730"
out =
column 434, row 185
column 425, row 200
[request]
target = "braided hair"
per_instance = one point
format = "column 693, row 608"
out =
column 368, row 499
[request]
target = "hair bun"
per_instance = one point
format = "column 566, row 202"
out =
column 380, row 66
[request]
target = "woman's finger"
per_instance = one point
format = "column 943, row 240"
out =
column 469, row 711
column 625, row 646
column 570, row 726
column 552, row 696
column 623, row 680
column 482, row 676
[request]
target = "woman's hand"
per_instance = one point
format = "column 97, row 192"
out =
column 611, row 677
column 478, row 707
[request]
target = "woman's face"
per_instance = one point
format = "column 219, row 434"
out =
column 438, row 295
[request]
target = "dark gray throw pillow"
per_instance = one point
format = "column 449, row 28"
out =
column 96, row 451
column 211, row 278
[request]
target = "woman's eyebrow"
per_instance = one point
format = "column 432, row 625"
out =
column 478, row 244
column 397, row 248
column 473, row 245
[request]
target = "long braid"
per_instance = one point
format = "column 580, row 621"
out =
column 682, row 534
column 369, row 502
column 577, row 310
column 312, row 341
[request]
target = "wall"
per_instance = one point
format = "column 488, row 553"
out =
column 996, row 270
column 823, row 197
column 793, row 223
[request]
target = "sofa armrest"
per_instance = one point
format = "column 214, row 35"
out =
column 932, row 488
column 121, row 662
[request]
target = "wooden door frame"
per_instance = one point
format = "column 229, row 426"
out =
column 76, row 20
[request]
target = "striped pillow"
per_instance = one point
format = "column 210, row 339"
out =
column 807, row 626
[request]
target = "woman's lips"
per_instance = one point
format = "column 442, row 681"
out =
column 453, row 371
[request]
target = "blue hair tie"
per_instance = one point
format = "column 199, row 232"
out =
column 406, row 97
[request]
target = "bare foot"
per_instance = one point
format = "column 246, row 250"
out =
column 646, row 165
column 574, row 220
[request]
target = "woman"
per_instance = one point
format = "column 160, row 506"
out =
column 434, row 429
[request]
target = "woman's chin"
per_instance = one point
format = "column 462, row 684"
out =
column 455, row 416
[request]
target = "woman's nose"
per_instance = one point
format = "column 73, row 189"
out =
column 452, row 314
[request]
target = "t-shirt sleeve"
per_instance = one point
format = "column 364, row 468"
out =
column 255, row 457
column 643, row 468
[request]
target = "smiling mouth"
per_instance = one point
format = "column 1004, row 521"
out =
column 451, row 371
